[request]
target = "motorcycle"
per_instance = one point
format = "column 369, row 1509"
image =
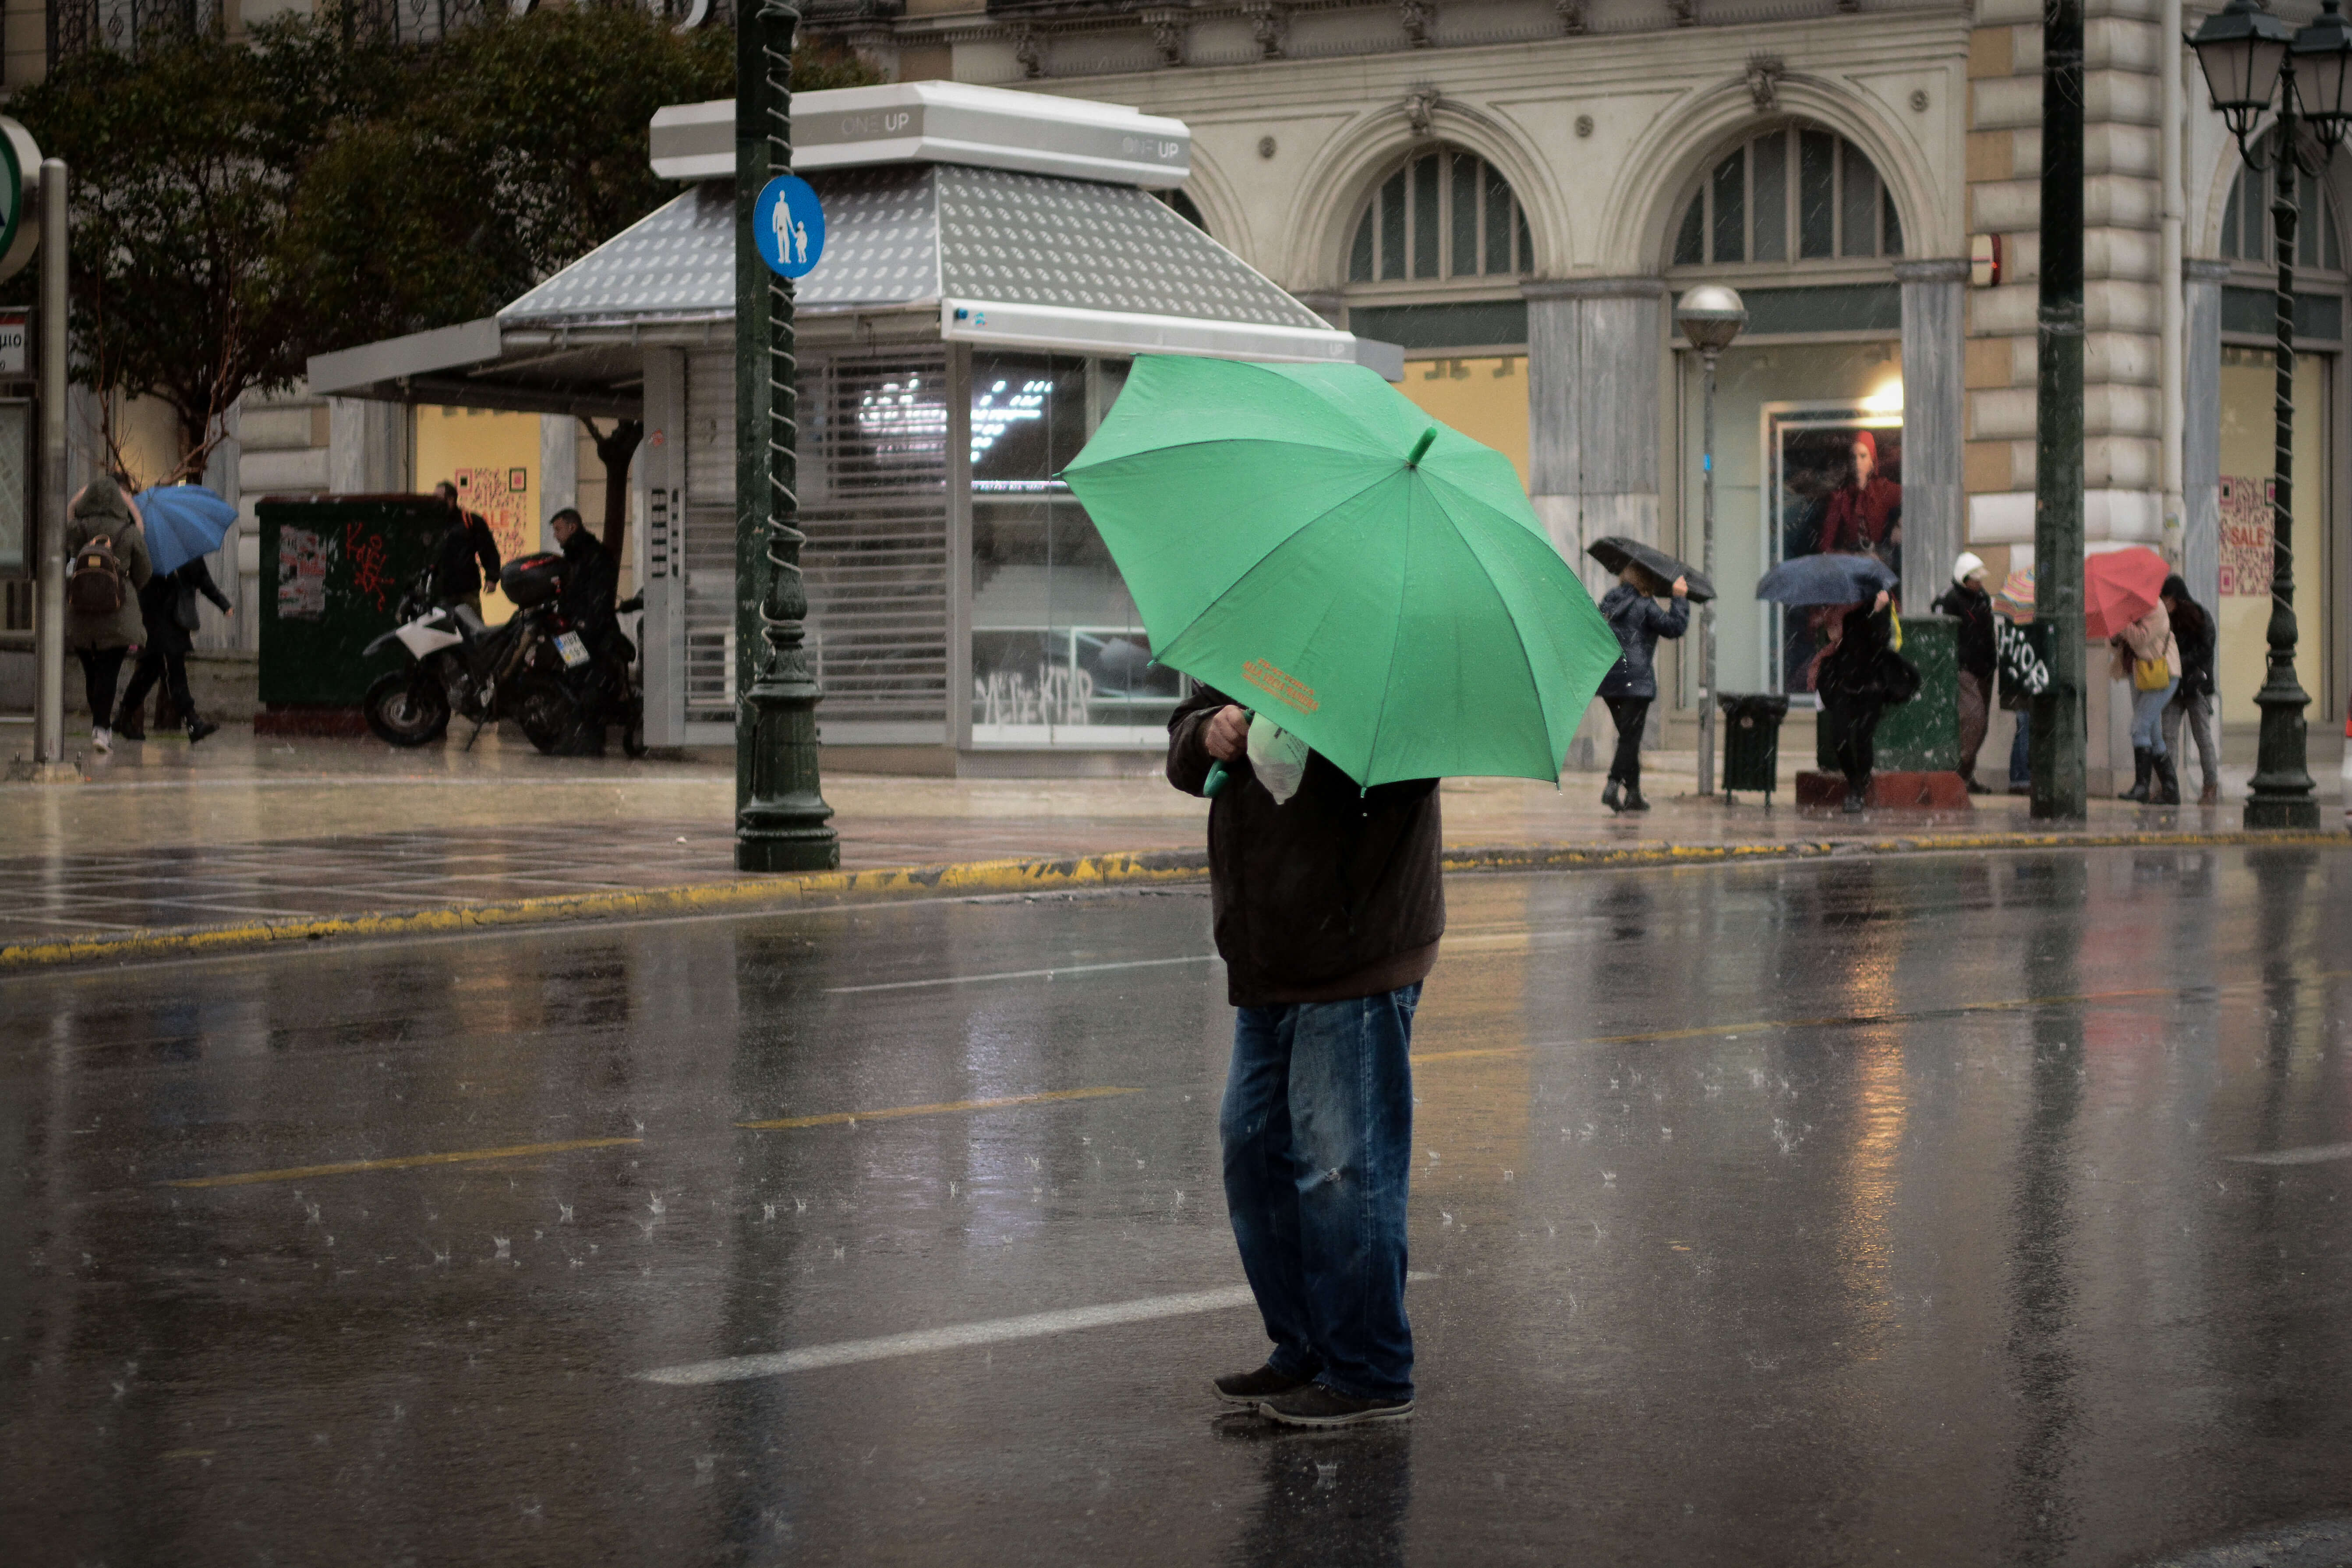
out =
column 530, row 670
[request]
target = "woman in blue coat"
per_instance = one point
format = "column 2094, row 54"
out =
column 1633, row 611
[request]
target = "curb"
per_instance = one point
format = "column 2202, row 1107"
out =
column 1084, row 873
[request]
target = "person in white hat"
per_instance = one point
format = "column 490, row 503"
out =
column 1968, row 602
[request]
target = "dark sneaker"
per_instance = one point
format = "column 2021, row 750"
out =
column 199, row 728
column 1253, row 1387
column 1317, row 1406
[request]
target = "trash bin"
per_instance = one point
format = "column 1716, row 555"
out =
column 1752, row 741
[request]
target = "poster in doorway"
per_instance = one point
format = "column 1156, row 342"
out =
column 1837, row 485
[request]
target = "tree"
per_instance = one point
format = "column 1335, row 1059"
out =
column 183, row 161
column 239, row 208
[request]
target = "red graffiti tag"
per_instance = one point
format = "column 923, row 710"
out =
column 371, row 562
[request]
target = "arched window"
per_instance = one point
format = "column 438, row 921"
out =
column 1444, row 214
column 1794, row 194
column 2246, row 222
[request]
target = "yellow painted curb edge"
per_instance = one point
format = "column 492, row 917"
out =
column 986, row 879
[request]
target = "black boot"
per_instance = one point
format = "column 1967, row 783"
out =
column 199, row 728
column 1609, row 796
column 2168, row 782
column 131, row 723
column 2142, row 766
column 1633, row 801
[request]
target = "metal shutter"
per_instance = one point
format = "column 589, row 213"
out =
column 873, row 493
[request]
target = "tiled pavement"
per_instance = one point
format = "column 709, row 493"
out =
column 228, row 833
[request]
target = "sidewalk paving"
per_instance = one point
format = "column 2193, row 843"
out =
column 243, row 830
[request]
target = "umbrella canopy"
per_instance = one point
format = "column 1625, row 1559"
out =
column 1614, row 550
column 1834, row 579
column 1304, row 538
column 2119, row 586
column 182, row 522
column 2015, row 599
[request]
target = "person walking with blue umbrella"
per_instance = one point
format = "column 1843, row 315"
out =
column 180, row 527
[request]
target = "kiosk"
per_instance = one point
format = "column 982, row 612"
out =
column 992, row 261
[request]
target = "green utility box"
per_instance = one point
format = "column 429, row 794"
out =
column 1923, row 735
column 1752, row 741
column 333, row 571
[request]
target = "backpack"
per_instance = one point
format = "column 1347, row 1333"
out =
column 94, row 583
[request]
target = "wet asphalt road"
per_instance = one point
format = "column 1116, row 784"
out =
column 1864, row 1211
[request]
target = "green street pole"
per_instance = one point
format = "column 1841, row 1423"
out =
column 2058, row 715
column 780, row 813
column 2282, row 793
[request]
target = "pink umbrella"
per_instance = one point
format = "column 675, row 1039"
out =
column 2119, row 586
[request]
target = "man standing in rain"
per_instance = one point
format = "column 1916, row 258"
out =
column 1329, row 905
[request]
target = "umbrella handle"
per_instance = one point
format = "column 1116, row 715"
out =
column 1215, row 781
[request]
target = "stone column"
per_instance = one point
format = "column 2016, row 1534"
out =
column 1935, row 520
column 559, row 476
column 2200, row 435
column 367, row 448
column 1595, row 349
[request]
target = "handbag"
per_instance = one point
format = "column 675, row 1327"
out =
column 183, row 608
column 2151, row 674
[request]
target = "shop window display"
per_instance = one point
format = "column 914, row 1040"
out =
column 1059, row 655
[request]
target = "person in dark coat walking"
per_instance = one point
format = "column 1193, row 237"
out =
column 100, row 637
column 1328, row 904
column 1967, row 602
column 2194, row 630
column 167, row 605
column 1632, row 612
column 1860, row 675
column 468, row 556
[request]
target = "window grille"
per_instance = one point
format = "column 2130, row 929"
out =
column 1444, row 214
column 1795, row 194
column 2246, row 222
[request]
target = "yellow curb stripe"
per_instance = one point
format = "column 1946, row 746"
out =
column 845, row 1118
column 827, row 890
column 399, row 1162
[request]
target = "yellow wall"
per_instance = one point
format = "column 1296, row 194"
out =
column 1486, row 399
column 2248, row 384
column 493, row 459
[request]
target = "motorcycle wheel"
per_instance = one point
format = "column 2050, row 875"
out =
column 407, row 708
column 545, row 711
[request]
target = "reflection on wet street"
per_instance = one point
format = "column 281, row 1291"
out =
column 1932, row 1209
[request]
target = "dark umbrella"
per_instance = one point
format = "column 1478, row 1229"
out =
column 1825, row 580
column 1615, row 551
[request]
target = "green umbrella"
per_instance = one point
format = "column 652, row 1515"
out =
column 1307, row 540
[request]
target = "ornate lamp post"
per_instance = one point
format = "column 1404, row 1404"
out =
column 2250, row 57
column 780, row 815
column 1710, row 316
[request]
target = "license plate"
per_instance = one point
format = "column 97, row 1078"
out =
column 575, row 651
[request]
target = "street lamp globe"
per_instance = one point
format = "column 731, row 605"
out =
column 1712, row 315
column 2323, row 74
column 2241, row 48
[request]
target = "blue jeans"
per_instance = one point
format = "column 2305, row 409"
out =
column 2147, row 718
column 2020, row 747
column 1318, row 1134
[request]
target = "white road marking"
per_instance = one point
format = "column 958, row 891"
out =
column 962, row 1336
column 2313, row 1156
column 1020, row 975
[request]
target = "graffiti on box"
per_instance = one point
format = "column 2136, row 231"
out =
column 371, row 559
column 303, row 558
column 501, row 495
column 1057, row 694
column 2245, row 536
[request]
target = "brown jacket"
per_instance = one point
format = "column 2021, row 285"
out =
column 1334, row 894
column 101, row 510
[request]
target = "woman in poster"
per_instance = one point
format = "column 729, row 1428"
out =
column 1864, row 515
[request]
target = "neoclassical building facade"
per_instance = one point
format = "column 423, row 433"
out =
column 1516, row 190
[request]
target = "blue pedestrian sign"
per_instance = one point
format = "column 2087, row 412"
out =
column 788, row 223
